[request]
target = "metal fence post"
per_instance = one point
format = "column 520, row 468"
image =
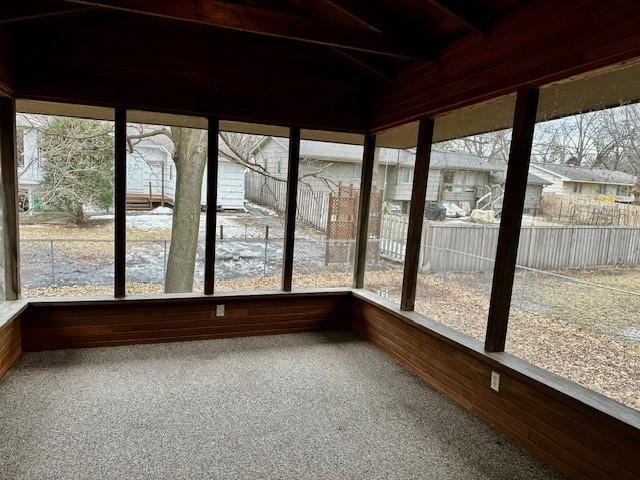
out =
column 524, row 281
column 164, row 261
column 53, row 269
column 266, row 246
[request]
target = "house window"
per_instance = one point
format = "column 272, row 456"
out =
column 447, row 178
column 279, row 166
column 601, row 189
column 357, row 172
column 577, row 188
column 20, row 145
column 622, row 191
column 406, row 175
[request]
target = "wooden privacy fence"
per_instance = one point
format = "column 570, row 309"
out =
column 471, row 247
column 581, row 210
column 313, row 207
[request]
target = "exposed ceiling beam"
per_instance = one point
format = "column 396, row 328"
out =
column 353, row 14
column 468, row 13
column 266, row 22
column 34, row 15
column 363, row 65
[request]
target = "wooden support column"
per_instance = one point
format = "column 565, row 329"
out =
column 212, row 206
column 364, row 203
column 290, row 214
column 120, row 202
column 416, row 214
column 514, row 194
column 8, row 165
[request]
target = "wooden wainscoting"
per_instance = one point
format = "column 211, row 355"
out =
column 576, row 431
column 10, row 341
column 57, row 324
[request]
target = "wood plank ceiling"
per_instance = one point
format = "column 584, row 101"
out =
column 312, row 63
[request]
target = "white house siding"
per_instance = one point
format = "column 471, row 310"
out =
column 556, row 185
column 144, row 171
column 29, row 171
column 230, row 186
column 532, row 194
column 433, row 185
column 144, row 168
column 274, row 156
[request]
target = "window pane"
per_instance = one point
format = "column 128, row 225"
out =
column 252, row 188
column 327, row 214
column 388, row 220
column 462, row 216
column 65, row 193
column 166, row 193
column 575, row 309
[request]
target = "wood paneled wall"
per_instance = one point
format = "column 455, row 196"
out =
column 10, row 338
column 59, row 324
column 549, row 421
column 544, row 41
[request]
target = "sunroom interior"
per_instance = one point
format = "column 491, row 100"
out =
column 328, row 327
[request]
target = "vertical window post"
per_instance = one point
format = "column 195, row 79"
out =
column 291, row 205
column 364, row 203
column 212, row 205
column 8, row 166
column 120, row 202
column 416, row 214
column 509, row 235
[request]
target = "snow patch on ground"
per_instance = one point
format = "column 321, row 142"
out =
column 261, row 209
column 162, row 211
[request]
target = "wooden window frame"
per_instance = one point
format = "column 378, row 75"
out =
column 524, row 122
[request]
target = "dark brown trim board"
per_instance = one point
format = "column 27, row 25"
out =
column 120, row 203
column 578, row 432
column 364, row 203
column 58, row 324
column 509, row 235
column 9, row 198
column 212, row 205
column 291, row 208
column 416, row 214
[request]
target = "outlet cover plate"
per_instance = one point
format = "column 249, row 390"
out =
column 495, row 381
column 219, row 310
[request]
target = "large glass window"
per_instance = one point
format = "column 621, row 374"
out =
column 65, row 199
column 327, row 214
column 252, row 189
column 388, row 217
column 575, row 309
column 166, row 200
column 462, row 216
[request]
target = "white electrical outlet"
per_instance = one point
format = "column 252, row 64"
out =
column 219, row 310
column 495, row 381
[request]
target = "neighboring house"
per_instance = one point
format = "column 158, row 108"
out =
column 585, row 181
column 459, row 178
column 29, row 167
column 150, row 171
column 533, row 193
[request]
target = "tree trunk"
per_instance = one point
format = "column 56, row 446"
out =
column 190, row 159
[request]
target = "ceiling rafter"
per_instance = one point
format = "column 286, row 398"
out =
column 267, row 22
column 468, row 13
column 35, row 15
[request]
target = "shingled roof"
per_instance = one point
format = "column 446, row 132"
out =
column 337, row 152
column 588, row 175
